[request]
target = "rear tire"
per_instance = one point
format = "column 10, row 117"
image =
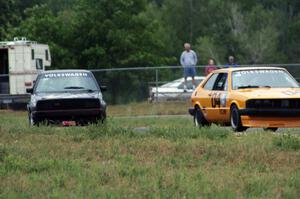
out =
column 199, row 119
column 235, row 119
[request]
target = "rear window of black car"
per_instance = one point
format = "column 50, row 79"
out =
column 66, row 81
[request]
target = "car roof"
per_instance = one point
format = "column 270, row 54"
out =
column 66, row 71
column 232, row 69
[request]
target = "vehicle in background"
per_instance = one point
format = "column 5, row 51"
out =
column 174, row 91
column 20, row 62
column 68, row 97
column 261, row 97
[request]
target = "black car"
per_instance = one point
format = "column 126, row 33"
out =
column 66, row 97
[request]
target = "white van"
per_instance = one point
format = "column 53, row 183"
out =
column 20, row 62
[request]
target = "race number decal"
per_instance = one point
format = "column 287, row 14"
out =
column 223, row 100
column 216, row 100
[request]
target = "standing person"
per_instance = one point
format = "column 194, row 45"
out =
column 231, row 62
column 210, row 67
column 188, row 61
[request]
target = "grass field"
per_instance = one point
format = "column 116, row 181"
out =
column 146, row 108
column 162, row 157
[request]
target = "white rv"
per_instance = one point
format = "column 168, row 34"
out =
column 20, row 62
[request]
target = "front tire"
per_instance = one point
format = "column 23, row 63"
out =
column 235, row 119
column 273, row 129
column 32, row 120
column 199, row 119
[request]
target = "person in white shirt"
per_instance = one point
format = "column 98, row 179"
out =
column 188, row 60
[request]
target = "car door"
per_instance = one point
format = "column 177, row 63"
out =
column 219, row 94
column 204, row 96
column 213, row 97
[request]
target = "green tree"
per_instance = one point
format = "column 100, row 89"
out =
column 208, row 48
column 43, row 26
column 115, row 33
column 8, row 18
column 257, row 39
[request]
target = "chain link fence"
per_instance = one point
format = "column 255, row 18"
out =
column 126, row 85
column 138, row 84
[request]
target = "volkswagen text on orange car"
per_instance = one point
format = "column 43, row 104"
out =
column 265, row 97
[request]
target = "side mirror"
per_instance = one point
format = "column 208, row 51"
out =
column 29, row 90
column 103, row 88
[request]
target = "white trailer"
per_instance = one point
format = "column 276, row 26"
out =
column 20, row 62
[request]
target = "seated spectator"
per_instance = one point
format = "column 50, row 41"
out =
column 210, row 67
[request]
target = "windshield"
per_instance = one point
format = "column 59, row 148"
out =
column 64, row 82
column 269, row 78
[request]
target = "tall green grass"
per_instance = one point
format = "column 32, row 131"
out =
column 145, row 158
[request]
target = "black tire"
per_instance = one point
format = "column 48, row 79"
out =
column 273, row 129
column 32, row 121
column 103, row 117
column 100, row 119
column 199, row 119
column 235, row 119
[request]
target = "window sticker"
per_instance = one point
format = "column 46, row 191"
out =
column 239, row 73
column 74, row 74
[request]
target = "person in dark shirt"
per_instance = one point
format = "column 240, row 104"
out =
column 231, row 62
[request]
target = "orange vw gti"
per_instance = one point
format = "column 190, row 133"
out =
column 261, row 97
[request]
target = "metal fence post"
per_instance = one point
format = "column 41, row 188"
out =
column 156, row 82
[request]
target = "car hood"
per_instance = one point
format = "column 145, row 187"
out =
column 66, row 95
column 270, row 93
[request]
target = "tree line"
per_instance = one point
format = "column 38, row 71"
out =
column 129, row 33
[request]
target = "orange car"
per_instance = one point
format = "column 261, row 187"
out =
column 265, row 97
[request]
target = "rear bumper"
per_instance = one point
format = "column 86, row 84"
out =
column 270, row 112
